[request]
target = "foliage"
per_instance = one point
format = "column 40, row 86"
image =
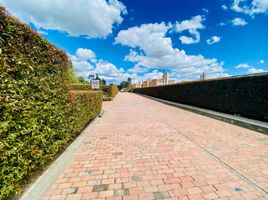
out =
column 240, row 95
column 80, row 79
column 85, row 105
column 71, row 77
column 109, row 91
column 79, row 86
column 34, row 104
column 125, row 84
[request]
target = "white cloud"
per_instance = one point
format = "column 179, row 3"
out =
column 243, row 65
column 138, row 69
column 86, row 54
column 213, row 40
column 92, row 18
column 222, row 24
column 153, row 50
column 261, row 61
column 85, row 63
column 253, row 71
column 148, row 37
column 205, row 10
column 224, row 7
column 42, row 32
column 191, row 26
column 253, row 8
column 238, row 22
column 191, row 40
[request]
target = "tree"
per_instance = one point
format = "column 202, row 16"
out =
column 103, row 81
column 81, row 80
column 97, row 77
column 129, row 81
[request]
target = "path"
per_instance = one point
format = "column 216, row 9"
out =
column 143, row 149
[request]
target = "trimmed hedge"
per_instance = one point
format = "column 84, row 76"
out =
column 109, row 91
column 77, row 86
column 85, row 105
column 38, row 117
column 245, row 95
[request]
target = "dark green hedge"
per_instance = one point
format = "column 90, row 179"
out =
column 245, row 96
column 38, row 117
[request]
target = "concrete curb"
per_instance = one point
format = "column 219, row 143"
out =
column 251, row 124
column 39, row 188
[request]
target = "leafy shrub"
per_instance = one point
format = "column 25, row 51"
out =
column 109, row 91
column 85, row 105
column 79, row 86
column 38, row 117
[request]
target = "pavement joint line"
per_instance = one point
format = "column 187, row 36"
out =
column 42, row 184
column 255, row 125
column 223, row 163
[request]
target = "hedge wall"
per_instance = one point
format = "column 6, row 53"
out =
column 38, row 117
column 109, row 91
column 246, row 96
column 79, row 86
column 85, row 105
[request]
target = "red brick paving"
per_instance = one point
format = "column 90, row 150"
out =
column 142, row 149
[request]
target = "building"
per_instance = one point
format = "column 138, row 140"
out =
column 158, row 82
column 137, row 85
column 155, row 82
column 145, row 84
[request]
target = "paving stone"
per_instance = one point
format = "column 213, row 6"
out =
column 126, row 191
column 99, row 188
column 72, row 190
column 160, row 195
column 143, row 149
column 136, row 178
column 117, row 153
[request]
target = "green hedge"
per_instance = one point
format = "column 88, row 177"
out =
column 38, row 117
column 109, row 91
column 85, row 105
column 79, row 86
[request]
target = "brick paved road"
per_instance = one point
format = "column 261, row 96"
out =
column 143, row 149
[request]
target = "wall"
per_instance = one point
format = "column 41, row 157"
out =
column 245, row 95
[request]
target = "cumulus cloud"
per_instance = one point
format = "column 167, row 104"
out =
column 152, row 49
column 261, row 61
column 93, row 19
column 192, row 26
column 243, row 65
column 224, row 7
column 238, row 22
column 254, row 70
column 86, row 54
column 85, row 63
column 138, row 69
column 42, row 32
column 253, row 8
column 213, row 40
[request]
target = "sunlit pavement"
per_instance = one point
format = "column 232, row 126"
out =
column 143, row 149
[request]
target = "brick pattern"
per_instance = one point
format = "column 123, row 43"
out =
column 135, row 152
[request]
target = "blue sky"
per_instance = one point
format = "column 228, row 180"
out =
column 139, row 39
